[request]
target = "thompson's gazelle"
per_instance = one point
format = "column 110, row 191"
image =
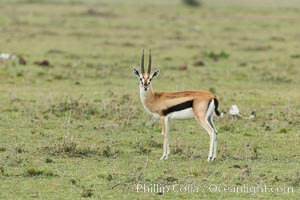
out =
column 165, row 106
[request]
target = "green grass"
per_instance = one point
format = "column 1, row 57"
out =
column 76, row 129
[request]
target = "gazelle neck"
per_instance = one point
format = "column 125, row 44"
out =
column 146, row 99
column 145, row 94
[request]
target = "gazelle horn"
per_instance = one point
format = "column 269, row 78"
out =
column 149, row 66
column 142, row 63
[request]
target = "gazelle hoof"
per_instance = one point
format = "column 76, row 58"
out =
column 164, row 157
column 209, row 159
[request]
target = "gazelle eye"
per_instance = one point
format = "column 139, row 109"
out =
column 140, row 79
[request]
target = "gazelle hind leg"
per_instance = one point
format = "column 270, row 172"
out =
column 209, row 118
column 203, row 115
column 211, row 123
column 215, row 146
column 210, row 131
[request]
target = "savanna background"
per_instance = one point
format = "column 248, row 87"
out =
column 71, row 122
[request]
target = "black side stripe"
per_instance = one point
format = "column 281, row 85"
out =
column 178, row 107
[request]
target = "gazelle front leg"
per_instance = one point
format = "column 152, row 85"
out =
column 165, row 132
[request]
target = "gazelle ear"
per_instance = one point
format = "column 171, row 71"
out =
column 154, row 74
column 136, row 72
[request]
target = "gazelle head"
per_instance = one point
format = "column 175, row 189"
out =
column 145, row 77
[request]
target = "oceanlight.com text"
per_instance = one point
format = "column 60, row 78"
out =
column 212, row 188
column 250, row 189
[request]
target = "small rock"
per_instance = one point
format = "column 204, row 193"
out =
column 44, row 63
column 198, row 63
column 183, row 68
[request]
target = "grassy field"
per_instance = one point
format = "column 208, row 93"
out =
column 76, row 128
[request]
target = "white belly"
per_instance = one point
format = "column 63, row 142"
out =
column 183, row 114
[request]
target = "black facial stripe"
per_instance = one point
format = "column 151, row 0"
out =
column 178, row 107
